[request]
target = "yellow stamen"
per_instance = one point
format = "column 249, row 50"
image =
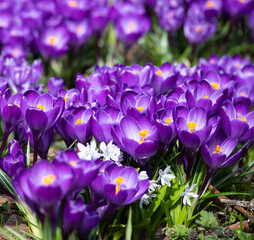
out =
column 49, row 179
column 132, row 25
column 73, row 4
column 206, row 96
column 66, row 98
column 137, row 72
column 171, row 15
column 79, row 29
column 199, row 29
column 52, row 40
column 73, row 163
column 15, row 52
column 211, row 60
column 210, row 4
column 217, row 149
column 40, row 107
column 242, row 1
column 16, row 105
column 140, row 108
column 159, row 72
column 238, row 66
column 13, row 33
column 215, row 85
column 118, row 181
column 168, row 120
column 242, row 119
column 110, row 120
column 191, row 126
column 79, row 121
column 143, row 134
column 242, row 94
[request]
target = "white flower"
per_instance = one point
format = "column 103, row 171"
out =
column 187, row 194
column 88, row 152
column 142, row 175
column 111, row 152
column 153, row 186
column 147, row 198
column 165, row 177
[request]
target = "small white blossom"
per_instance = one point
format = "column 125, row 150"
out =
column 153, row 186
column 88, row 152
column 147, row 198
column 165, row 177
column 187, row 194
column 142, row 175
column 111, row 152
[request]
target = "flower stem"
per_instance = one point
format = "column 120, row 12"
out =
column 111, row 211
column 6, row 135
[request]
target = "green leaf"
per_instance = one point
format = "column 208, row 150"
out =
column 129, row 225
column 7, row 183
column 157, row 201
column 28, row 162
column 30, row 235
column 16, row 233
column 224, row 194
column 6, row 234
column 118, row 235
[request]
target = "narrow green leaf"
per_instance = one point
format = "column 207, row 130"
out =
column 142, row 224
column 28, row 162
column 7, row 183
column 129, row 225
column 157, row 201
column 30, row 235
column 224, row 194
column 15, row 233
column 118, row 235
column 9, row 236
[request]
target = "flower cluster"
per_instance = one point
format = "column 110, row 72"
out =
column 140, row 110
column 51, row 28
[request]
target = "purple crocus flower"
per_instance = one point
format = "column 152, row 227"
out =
column 75, row 125
column 237, row 8
column 16, row 51
column 84, row 170
column 120, row 185
column 234, row 121
column 129, row 28
column 11, row 114
column 102, row 122
column 89, row 221
column 164, row 78
column 138, row 137
column 54, row 85
column 197, row 28
column 134, row 104
column 79, row 31
column 205, row 96
column 165, row 126
column 74, row 9
column 69, row 96
column 53, row 42
column 212, row 8
column 41, row 113
column 172, row 18
column 216, row 152
column 192, row 126
column 99, row 17
column 72, row 215
column 44, row 186
column 14, row 161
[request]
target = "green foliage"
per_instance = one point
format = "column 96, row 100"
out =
column 207, row 220
column 178, row 232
